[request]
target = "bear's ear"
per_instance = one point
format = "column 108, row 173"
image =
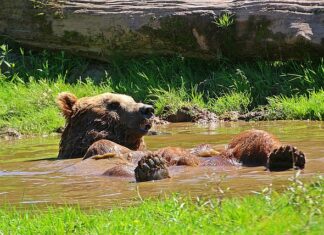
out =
column 65, row 101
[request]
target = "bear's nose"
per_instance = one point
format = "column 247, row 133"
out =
column 147, row 110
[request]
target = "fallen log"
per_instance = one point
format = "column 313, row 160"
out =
column 272, row 29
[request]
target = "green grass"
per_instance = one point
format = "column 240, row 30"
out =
column 233, row 101
column 175, row 98
column 30, row 106
column 225, row 20
column 298, row 210
column 309, row 106
column 30, row 82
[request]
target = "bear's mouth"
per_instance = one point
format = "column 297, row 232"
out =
column 146, row 125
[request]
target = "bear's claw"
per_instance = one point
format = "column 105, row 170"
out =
column 286, row 157
column 151, row 167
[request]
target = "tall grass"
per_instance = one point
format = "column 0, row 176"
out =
column 30, row 106
column 29, row 82
column 173, row 99
column 309, row 106
column 137, row 77
column 233, row 101
column 299, row 210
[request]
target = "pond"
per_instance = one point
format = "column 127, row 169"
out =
column 30, row 174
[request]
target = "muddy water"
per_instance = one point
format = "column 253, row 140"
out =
column 29, row 173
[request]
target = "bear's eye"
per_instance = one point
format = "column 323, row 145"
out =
column 113, row 105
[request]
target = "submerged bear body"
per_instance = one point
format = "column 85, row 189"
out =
column 250, row 148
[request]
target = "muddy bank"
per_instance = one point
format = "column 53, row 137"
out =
column 204, row 116
column 9, row 133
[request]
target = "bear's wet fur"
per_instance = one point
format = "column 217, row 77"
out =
column 102, row 147
column 260, row 148
column 108, row 116
column 249, row 148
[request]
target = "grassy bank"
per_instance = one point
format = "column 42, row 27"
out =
column 30, row 81
column 298, row 210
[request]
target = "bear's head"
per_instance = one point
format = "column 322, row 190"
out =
column 109, row 116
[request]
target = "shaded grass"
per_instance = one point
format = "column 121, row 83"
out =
column 138, row 76
column 214, row 79
column 29, row 83
column 296, row 211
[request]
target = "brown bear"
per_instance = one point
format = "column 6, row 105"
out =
column 110, row 127
column 249, row 148
column 107, row 116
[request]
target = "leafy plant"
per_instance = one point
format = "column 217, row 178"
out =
column 4, row 57
column 224, row 20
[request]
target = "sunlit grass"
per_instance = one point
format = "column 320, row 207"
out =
column 173, row 99
column 30, row 106
column 309, row 106
column 299, row 210
column 233, row 101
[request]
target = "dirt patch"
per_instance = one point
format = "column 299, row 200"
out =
column 9, row 133
column 190, row 114
column 250, row 116
column 203, row 116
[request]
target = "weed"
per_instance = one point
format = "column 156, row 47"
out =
column 224, row 20
column 4, row 60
